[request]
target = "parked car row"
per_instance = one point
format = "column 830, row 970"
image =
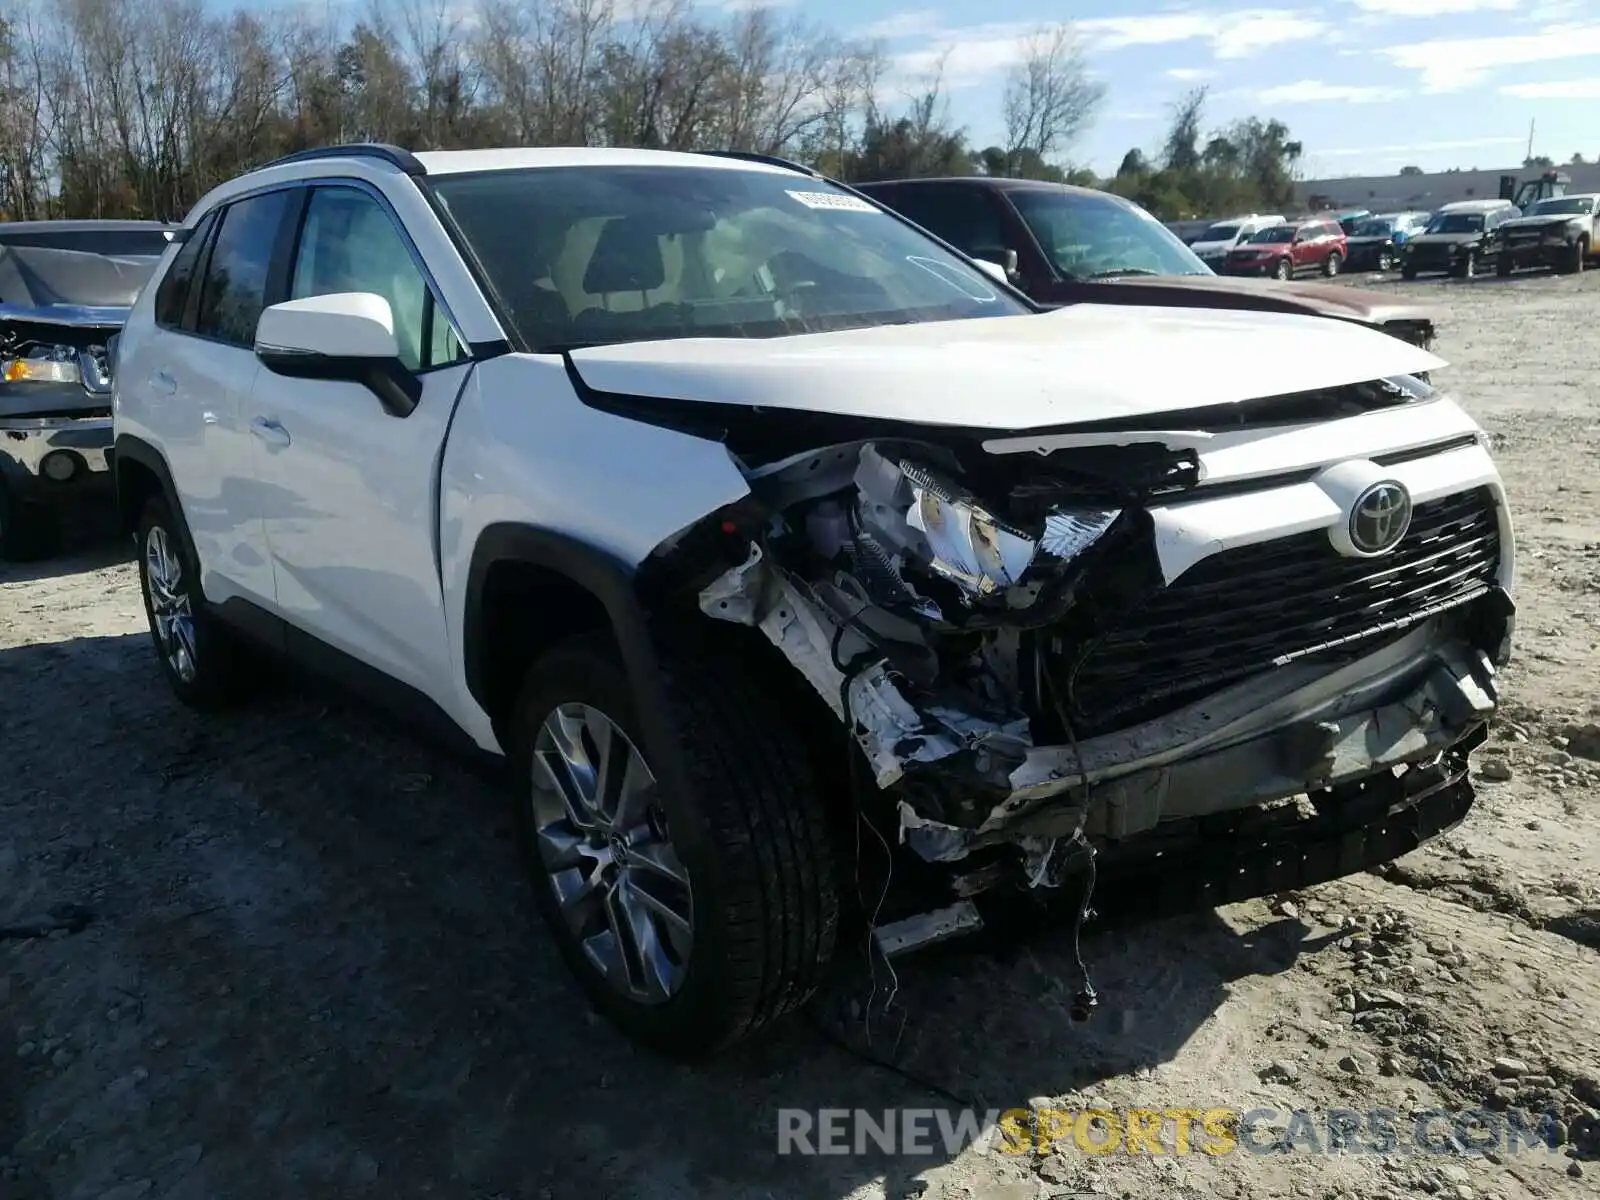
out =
column 1463, row 238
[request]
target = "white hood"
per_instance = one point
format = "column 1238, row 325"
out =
column 1205, row 248
column 1085, row 363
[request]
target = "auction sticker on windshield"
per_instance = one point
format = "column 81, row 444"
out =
column 834, row 200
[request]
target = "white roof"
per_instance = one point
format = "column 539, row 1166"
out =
column 457, row 162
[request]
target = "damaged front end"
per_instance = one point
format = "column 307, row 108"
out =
column 1092, row 639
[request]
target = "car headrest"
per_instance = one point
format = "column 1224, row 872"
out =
column 627, row 258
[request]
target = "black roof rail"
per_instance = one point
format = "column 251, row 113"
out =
column 771, row 160
column 393, row 155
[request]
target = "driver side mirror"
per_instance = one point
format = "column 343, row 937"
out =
column 1003, row 262
column 346, row 336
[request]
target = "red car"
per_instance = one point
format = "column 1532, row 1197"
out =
column 1283, row 251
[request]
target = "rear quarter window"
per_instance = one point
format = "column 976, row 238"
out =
column 172, row 295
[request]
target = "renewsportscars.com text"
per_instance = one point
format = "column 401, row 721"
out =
column 1159, row 1131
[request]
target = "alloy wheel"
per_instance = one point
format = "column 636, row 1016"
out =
column 170, row 608
column 603, row 839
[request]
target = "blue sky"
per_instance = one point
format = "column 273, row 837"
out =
column 1367, row 85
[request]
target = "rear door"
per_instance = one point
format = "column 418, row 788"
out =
column 198, row 374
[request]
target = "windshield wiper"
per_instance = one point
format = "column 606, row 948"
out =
column 1112, row 272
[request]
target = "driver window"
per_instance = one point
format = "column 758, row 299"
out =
column 349, row 243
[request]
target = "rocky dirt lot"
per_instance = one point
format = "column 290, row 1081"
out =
column 310, row 967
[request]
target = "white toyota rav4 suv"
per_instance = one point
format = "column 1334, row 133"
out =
column 761, row 534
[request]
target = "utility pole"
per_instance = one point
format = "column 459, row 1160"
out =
column 1530, row 137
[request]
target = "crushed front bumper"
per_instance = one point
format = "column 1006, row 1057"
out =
column 1298, row 729
column 56, row 459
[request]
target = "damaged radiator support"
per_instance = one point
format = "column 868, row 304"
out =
column 889, row 729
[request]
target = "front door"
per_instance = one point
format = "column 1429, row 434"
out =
column 350, row 499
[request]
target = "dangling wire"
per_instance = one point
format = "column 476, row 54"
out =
column 1086, row 999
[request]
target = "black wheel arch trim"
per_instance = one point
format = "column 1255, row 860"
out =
column 130, row 449
column 613, row 583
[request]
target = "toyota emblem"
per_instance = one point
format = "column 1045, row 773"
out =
column 1380, row 517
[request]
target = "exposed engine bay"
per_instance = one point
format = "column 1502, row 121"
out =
column 1038, row 644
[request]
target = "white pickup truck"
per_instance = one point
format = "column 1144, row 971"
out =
column 760, row 534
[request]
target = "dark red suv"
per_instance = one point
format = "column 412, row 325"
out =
column 1283, row 251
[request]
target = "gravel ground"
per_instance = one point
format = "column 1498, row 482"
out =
column 312, row 968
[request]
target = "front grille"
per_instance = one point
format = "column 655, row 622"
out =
column 1248, row 609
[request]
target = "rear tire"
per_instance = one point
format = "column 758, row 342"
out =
column 28, row 532
column 205, row 663
column 1331, row 264
column 755, row 913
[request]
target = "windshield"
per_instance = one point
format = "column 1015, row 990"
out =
column 1456, row 223
column 1219, row 233
column 1574, row 205
column 114, row 243
column 1093, row 236
column 1275, row 233
column 584, row 256
column 1374, row 227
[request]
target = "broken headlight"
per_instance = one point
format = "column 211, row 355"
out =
column 911, row 517
column 967, row 544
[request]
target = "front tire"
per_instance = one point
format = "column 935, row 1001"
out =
column 1577, row 258
column 1469, row 265
column 1408, row 273
column 695, row 916
column 205, row 664
column 1284, row 269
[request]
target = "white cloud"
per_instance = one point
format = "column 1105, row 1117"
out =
column 1433, row 8
column 1191, row 74
column 1314, row 91
column 963, row 56
column 1451, row 65
column 1559, row 89
column 1236, row 34
column 912, row 23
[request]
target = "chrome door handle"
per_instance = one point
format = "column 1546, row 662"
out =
column 163, row 383
column 270, row 432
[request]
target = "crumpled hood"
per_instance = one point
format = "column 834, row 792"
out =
column 1369, row 239
column 1322, row 299
column 1211, row 248
column 1084, row 363
column 1547, row 221
column 39, row 277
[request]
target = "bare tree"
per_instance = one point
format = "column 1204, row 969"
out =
column 138, row 107
column 1050, row 96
